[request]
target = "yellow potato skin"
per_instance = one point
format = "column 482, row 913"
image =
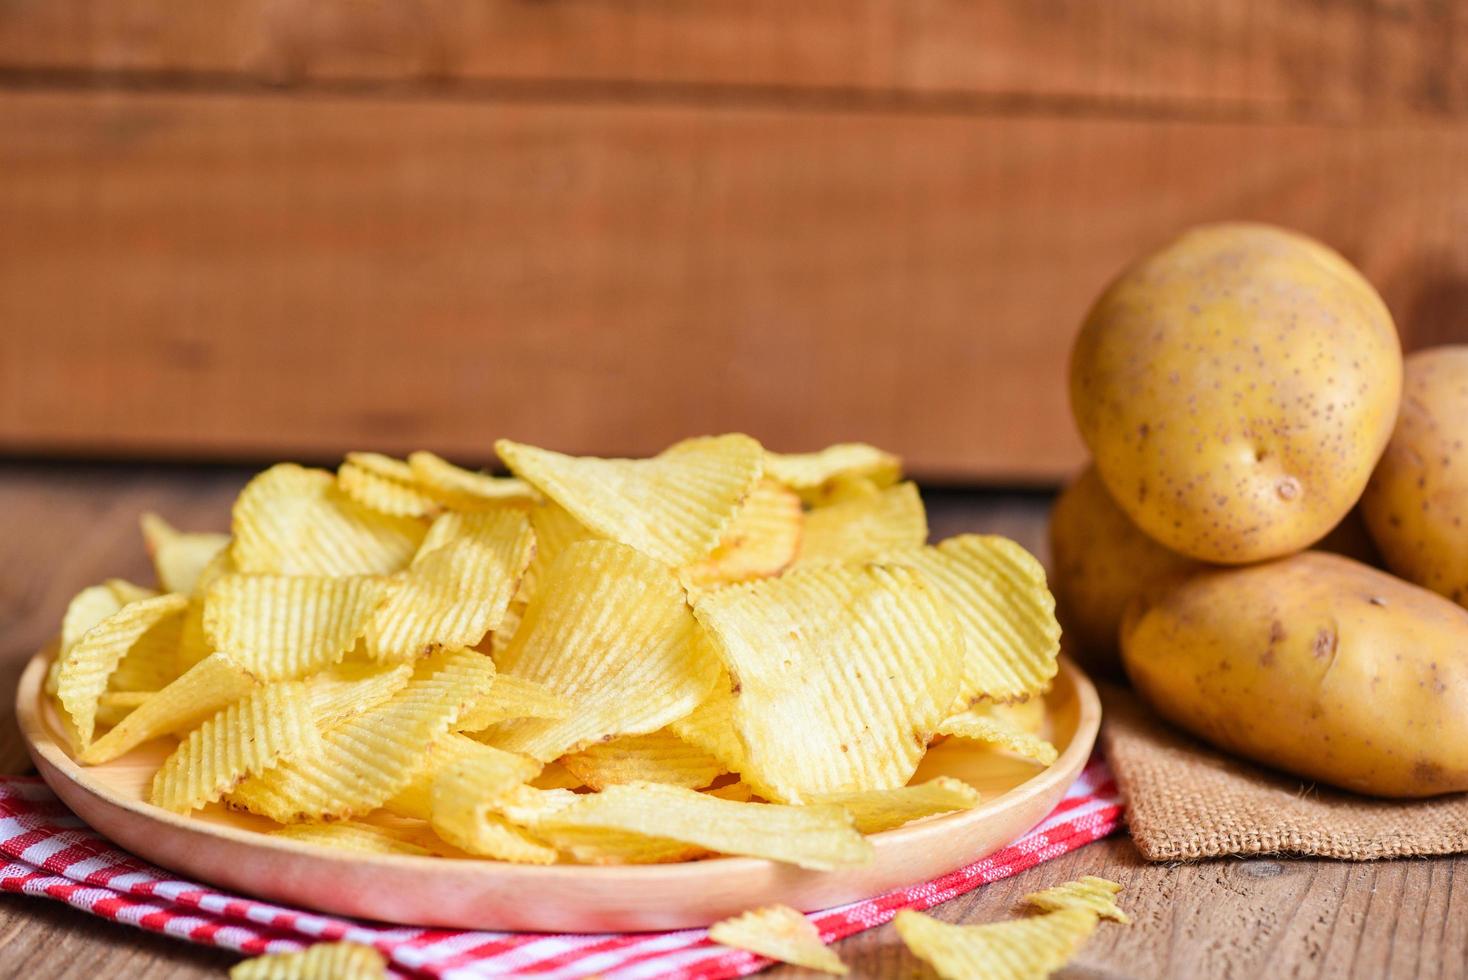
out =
column 1236, row 388
column 1416, row 505
column 1314, row 664
column 1101, row 561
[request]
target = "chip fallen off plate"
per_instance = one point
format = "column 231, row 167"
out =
column 595, row 694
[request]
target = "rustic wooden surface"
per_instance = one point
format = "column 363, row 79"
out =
column 62, row 527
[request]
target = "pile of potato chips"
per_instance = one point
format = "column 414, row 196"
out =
column 718, row 650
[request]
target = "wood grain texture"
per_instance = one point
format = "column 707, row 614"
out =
column 1276, row 57
column 240, row 276
column 66, row 526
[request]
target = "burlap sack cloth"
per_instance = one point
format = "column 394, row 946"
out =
column 1186, row 801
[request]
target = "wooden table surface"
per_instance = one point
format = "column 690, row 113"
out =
column 66, row 526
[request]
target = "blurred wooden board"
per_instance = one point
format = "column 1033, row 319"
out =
column 232, row 275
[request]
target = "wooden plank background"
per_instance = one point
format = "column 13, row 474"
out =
column 256, row 229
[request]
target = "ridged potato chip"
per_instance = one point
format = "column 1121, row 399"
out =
column 454, row 594
column 281, row 627
column 981, row 724
column 324, row 961
column 710, row 726
column 780, row 933
column 179, row 557
column 658, row 757
column 763, row 538
column 809, row 473
column 876, row 810
column 126, row 592
column 243, row 739
column 555, row 531
column 513, row 697
column 385, row 485
column 841, row 674
column 86, row 667
column 114, row 706
column 87, row 608
column 466, row 490
column 198, row 693
column 1096, row 895
column 865, row 528
column 463, row 806
column 997, row 591
column 609, row 631
column 817, row 837
column 1022, row 948
column 352, row 835
column 673, row 507
column 415, row 800
column 340, row 693
column 152, row 662
column 555, row 776
column 525, row 807
column 290, row 520
column 371, row 757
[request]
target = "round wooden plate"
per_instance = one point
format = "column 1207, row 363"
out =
column 220, row 847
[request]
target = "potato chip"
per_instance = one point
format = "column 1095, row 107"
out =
column 87, row 608
column 463, row 796
column 198, row 693
column 513, row 697
column 710, row 726
column 525, row 806
column 876, row 810
column 114, row 706
column 281, row 627
column 865, row 528
column 1097, row 895
column 817, row 837
column 352, row 835
column 780, row 933
column 997, row 591
column 500, row 637
column 153, row 661
column 369, row 758
column 658, row 757
column 415, row 800
column 125, row 592
column 324, row 961
column 385, row 485
column 243, row 739
column 556, row 776
column 761, row 540
column 673, row 507
column 342, row 692
column 841, row 673
column 466, row 490
column 455, row 594
column 809, row 473
column 610, row 632
column 840, row 489
column 555, row 531
column 980, row 724
column 179, row 557
column 1023, row 948
column 739, row 791
column 295, row 521
column 86, row 667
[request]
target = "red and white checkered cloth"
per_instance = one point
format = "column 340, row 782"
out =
column 49, row 852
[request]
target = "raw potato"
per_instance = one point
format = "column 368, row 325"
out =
column 1314, row 664
column 1236, row 389
column 1416, row 505
column 1101, row 562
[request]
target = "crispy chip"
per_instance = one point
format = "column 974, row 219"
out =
column 179, row 557
column 281, row 627
column 865, row 528
column 780, row 933
column 202, row 690
column 465, row 490
column 415, row 800
column 555, row 531
column 1023, row 948
column 340, row 693
column 126, row 592
column 463, row 813
column 710, row 726
column 556, row 776
column 876, row 810
column 243, row 739
column 818, row 837
column 611, row 632
column 997, row 591
column 153, row 661
column 761, row 540
column 352, row 835
column 673, row 507
column 1097, row 895
column 456, row 593
column 525, row 806
column 86, row 667
column 739, row 791
column 369, row 758
column 513, row 697
column 809, row 473
column 658, row 757
column 114, row 706
column 842, row 672
column 87, row 608
column 324, row 961
column 385, row 485
column 293, row 521
column 981, row 724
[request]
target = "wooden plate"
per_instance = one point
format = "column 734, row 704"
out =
column 219, row 847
